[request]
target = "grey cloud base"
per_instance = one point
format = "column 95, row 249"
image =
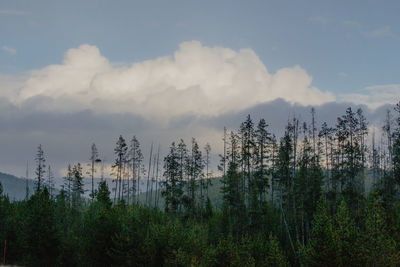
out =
column 66, row 137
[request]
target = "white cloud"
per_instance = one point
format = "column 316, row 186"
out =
column 9, row 50
column 342, row 74
column 375, row 96
column 196, row 79
column 382, row 32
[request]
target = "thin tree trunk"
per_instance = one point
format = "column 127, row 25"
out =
column 148, row 174
column 152, row 181
column 138, row 181
column 157, row 193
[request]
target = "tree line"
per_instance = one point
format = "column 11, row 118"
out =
column 314, row 196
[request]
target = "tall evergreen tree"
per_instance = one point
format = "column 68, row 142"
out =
column 232, row 190
column 194, row 170
column 68, row 182
column 136, row 158
column 120, row 153
column 94, row 157
column 378, row 248
column 346, row 237
column 205, row 180
column 77, row 186
column 50, row 181
column 40, row 168
column 262, row 157
column 247, row 135
column 40, row 233
column 173, row 185
column 320, row 251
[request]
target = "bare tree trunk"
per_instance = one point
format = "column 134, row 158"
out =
column 152, row 180
column 148, row 174
column 157, row 162
column 287, row 230
column 120, row 177
column 138, row 181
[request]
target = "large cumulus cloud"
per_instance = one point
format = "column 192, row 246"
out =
column 196, row 79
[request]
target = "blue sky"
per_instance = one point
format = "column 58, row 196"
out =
column 344, row 45
column 77, row 72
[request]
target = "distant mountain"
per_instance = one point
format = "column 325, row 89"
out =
column 214, row 193
column 15, row 187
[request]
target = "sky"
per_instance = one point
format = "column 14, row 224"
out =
column 77, row 72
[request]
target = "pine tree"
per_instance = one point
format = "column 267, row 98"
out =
column 101, row 224
column 68, row 182
column 326, row 135
column 26, row 182
column 50, row 181
column 39, row 231
column 346, row 237
column 284, row 175
column 261, row 172
column 263, row 155
column 247, row 136
column 173, row 185
column 379, row 249
column 136, row 158
column 232, row 190
column 303, row 187
column 283, row 168
column 120, row 153
column 94, row 157
column 194, row 169
column 40, row 168
column 103, row 194
column 205, row 182
column 275, row 256
column 77, row 186
column 320, row 251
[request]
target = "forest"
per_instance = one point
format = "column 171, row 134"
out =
column 319, row 195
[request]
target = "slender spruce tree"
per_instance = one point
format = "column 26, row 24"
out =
column 77, row 186
column 120, row 152
column 40, row 168
column 173, row 184
column 94, row 158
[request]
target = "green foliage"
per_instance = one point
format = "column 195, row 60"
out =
column 320, row 250
column 103, row 194
column 40, row 233
column 346, row 237
column 275, row 256
column 77, row 186
column 378, row 246
column 173, row 186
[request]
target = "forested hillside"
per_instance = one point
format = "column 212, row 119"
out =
column 323, row 195
column 16, row 188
